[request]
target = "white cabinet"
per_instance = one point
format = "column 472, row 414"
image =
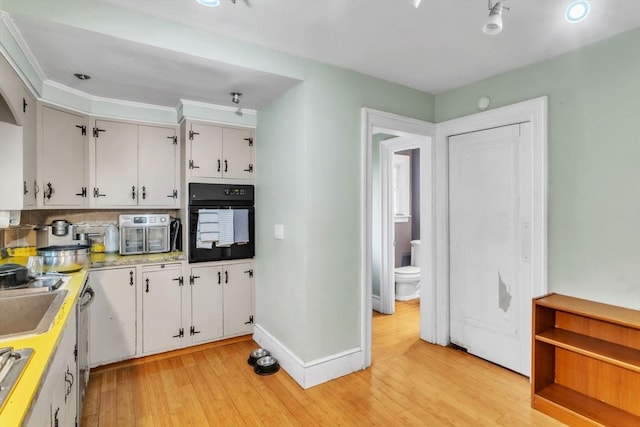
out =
column 56, row 404
column 63, row 161
column 162, row 307
column 135, row 165
column 29, row 153
column 221, row 301
column 219, row 152
column 10, row 166
column 112, row 317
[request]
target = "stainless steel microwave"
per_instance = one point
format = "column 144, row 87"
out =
column 146, row 233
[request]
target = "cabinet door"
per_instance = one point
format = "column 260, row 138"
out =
column 237, row 153
column 205, row 143
column 116, row 164
column 63, row 158
column 157, row 166
column 206, row 303
column 161, row 309
column 30, row 186
column 10, row 166
column 237, row 295
column 112, row 316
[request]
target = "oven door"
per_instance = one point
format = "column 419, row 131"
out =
column 235, row 251
column 132, row 240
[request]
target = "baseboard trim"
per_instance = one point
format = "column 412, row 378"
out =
column 314, row 372
column 376, row 303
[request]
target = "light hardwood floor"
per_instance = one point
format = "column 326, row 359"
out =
column 411, row 383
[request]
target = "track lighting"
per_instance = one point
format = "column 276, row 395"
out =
column 235, row 97
column 81, row 76
column 493, row 24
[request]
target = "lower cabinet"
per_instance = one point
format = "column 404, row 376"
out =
column 162, row 307
column 221, row 301
column 112, row 316
column 56, row 404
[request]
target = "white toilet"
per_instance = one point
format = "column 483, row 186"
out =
column 407, row 278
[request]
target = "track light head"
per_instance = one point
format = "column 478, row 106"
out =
column 235, row 97
column 493, row 24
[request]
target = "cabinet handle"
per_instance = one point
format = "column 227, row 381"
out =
column 133, row 192
column 226, row 165
column 48, row 192
column 24, row 105
column 55, row 418
column 24, row 189
column 219, row 165
column 219, row 277
column 144, row 193
column 147, row 289
column 131, row 277
column 226, row 276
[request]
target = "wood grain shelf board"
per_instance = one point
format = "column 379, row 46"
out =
column 615, row 354
column 583, row 408
column 591, row 309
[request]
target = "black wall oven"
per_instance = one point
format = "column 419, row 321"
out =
column 205, row 202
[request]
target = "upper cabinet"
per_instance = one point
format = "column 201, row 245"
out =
column 63, row 165
column 135, row 165
column 29, row 153
column 215, row 152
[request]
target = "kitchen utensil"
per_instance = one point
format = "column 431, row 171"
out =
column 65, row 258
column 257, row 354
column 60, row 227
column 266, row 366
column 12, row 275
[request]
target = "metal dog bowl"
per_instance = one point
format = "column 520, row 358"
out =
column 266, row 366
column 257, row 354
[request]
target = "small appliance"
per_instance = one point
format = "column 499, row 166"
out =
column 144, row 233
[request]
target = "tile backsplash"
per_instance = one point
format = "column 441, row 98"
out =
column 25, row 235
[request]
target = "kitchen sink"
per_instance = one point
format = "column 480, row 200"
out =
column 29, row 312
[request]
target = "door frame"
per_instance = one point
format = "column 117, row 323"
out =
column 533, row 111
column 374, row 121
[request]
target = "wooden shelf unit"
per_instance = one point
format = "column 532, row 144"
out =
column 586, row 362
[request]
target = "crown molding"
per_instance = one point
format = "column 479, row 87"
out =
column 10, row 26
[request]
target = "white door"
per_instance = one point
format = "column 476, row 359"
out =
column 237, row 307
column 206, row 303
column 116, row 163
column 237, row 153
column 112, row 317
column 157, row 170
column 162, row 327
column 205, row 159
column 490, row 242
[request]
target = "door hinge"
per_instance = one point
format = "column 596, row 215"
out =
column 191, row 134
column 83, row 192
column 96, row 132
column 250, row 321
column 173, row 195
column 249, row 272
column 193, row 166
column 96, row 193
column 192, row 279
column 180, row 280
column 180, row 333
column 174, row 138
column 192, row 331
column 75, row 353
column 250, row 169
column 83, row 129
column 250, row 140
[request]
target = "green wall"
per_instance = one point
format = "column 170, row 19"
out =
column 594, row 162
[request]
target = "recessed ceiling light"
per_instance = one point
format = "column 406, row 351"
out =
column 209, row 3
column 81, row 76
column 577, row 11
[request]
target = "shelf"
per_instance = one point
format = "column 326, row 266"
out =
column 605, row 351
column 582, row 408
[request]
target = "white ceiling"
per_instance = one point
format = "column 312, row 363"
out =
column 434, row 48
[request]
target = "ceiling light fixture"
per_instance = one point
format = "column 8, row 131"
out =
column 235, row 97
column 577, row 11
column 209, row 3
column 493, row 24
column 81, row 76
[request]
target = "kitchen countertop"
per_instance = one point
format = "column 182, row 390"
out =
column 44, row 345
